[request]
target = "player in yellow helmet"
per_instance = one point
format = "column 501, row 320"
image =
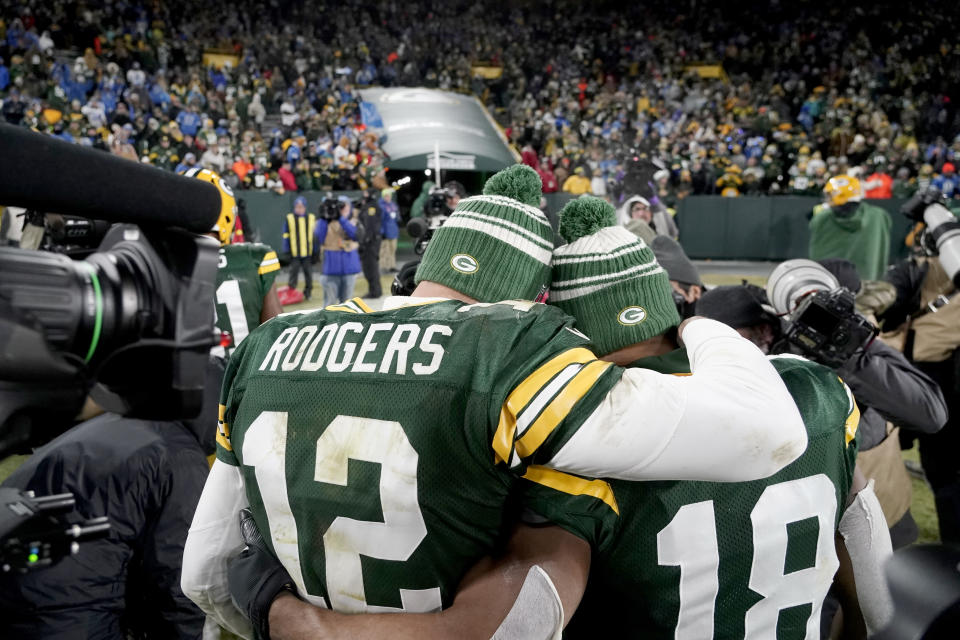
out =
column 846, row 227
column 246, row 294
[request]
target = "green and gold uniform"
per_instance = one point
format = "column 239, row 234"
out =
column 720, row 560
column 245, row 273
column 378, row 449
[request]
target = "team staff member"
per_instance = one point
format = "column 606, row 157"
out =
column 299, row 233
column 369, row 237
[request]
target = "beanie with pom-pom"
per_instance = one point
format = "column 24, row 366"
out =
column 608, row 279
column 496, row 246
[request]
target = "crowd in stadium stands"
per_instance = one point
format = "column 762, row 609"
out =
column 803, row 90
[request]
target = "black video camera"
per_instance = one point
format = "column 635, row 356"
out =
column 436, row 204
column 132, row 325
column 330, row 209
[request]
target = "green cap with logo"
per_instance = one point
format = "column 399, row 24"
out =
column 608, row 279
column 495, row 246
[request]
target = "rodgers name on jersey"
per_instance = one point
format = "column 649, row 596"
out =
column 378, row 497
column 245, row 273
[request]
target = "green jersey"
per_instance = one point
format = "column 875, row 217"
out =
column 378, row 449
column 245, row 274
column 722, row 560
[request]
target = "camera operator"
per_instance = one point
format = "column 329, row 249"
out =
column 146, row 476
column 885, row 386
column 337, row 234
column 299, row 231
column 924, row 323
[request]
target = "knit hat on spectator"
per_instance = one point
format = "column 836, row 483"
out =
column 608, row 279
column 495, row 246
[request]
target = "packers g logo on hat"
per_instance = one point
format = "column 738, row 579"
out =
column 632, row 315
column 464, row 263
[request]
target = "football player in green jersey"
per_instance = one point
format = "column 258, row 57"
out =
column 708, row 560
column 246, row 295
column 377, row 451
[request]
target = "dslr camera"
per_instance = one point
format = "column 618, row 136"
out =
column 821, row 318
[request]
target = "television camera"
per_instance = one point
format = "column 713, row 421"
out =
column 131, row 325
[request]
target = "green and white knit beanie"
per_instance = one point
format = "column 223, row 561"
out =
column 608, row 279
column 496, row 246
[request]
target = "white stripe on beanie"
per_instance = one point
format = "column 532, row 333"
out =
column 570, row 294
column 502, row 234
column 635, row 271
column 482, row 217
column 576, row 258
column 503, row 201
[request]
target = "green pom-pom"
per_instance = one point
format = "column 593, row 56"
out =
column 519, row 182
column 585, row 216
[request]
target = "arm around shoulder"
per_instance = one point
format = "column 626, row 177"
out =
column 731, row 420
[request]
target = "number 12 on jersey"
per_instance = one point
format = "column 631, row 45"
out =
column 346, row 539
column 690, row 542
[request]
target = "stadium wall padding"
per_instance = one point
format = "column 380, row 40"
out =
column 763, row 228
column 711, row 227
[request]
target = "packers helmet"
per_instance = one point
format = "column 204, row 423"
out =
column 842, row 189
column 228, row 204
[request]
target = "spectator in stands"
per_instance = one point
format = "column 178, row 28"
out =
column 948, row 182
column 287, row 179
column 578, row 183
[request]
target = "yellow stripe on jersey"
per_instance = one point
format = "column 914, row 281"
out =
column 850, row 426
column 521, row 396
column 269, row 263
column 349, row 306
column 363, row 305
column 853, row 416
column 573, row 485
column 560, row 407
column 223, row 429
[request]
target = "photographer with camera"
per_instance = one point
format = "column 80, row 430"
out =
column 299, row 231
column 823, row 325
column 924, row 322
column 338, row 235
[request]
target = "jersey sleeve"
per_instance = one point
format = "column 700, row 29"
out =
column 550, row 390
column 585, row 507
column 230, row 394
column 268, row 265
